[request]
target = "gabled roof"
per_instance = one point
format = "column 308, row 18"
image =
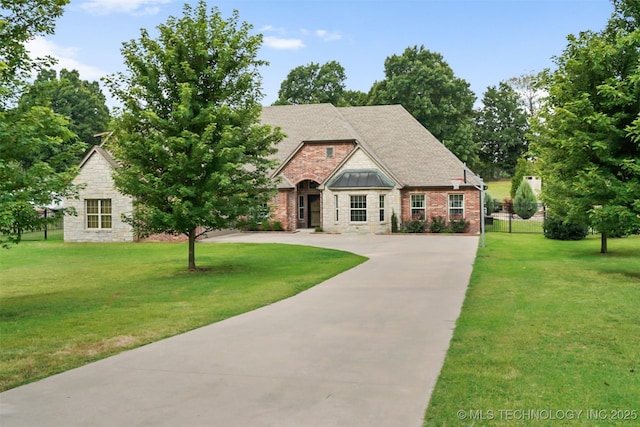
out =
column 392, row 136
column 101, row 151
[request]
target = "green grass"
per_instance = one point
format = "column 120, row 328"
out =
column 546, row 325
column 500, row 189
column 64, row 305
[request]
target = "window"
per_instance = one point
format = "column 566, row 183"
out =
column 335, row 202
column 301, row 207
column 359, row 208
column 329, row 152
column 381, row 208
column 456, row 206
column 98, row 213
column 418, row 206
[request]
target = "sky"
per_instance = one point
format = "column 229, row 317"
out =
column 483, row 41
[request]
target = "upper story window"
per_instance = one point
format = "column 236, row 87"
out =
column 329, row 152
column 98, row 213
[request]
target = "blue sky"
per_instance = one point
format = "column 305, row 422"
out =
column 484, row 41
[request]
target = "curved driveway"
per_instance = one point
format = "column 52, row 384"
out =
column 362, row 349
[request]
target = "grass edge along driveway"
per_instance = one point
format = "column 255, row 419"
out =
column 65, row 305
column 549, row 332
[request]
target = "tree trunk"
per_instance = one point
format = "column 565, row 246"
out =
column 192, row 249
column 603, row 243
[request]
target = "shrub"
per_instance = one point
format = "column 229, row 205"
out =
column 318, row 230
column 277, row 226
column 415, row 226
column 489, row 204
column 438, row 225
column 525, row 204
column 459, row 225
column 557, row 229
column 265, row 226
column 394, row 222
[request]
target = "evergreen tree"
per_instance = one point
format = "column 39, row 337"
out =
column 525, row 204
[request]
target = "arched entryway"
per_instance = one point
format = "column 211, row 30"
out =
column 308, row 204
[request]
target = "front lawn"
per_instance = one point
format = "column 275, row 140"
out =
column 549, row 333
column 64, row 305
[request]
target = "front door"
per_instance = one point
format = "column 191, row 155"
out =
column 314, row 210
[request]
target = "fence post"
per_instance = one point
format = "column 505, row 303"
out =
column 510, row 216
column 45, row 224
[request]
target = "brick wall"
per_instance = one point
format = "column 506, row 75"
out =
column 311, row 161
column 437, row 204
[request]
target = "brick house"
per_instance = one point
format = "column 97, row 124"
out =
column 345, row 169
column 348, row 169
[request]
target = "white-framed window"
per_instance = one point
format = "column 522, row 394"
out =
column 335, row 202
column 98, row 213
column 456, row 206
column 301, row 207
column 358, row 207
column 381, row 208
column 418, row 206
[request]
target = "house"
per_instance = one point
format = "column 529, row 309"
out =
column 99, row 205
column 344, row 169
column 349, row 169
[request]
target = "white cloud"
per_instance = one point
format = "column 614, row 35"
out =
column 66, row 57
column 328, row 36
column 283, row 44
column 133, row 7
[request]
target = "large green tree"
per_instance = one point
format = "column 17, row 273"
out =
column 313, row 84
column 501, row 127
column 423, row 83
column 192, row 153
column 36, row 144
column 588, row 137
column 80, row 100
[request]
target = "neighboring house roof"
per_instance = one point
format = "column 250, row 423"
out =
column 388, row 133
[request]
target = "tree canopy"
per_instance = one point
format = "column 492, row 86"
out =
column 36, row 144
column 313, row 84
column 501, row 128
column 588, row 136
column 79, row 100
column 423, row 83
column 192, row 153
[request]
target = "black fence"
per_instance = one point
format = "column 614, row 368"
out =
column 504, row 220
column 53, row 230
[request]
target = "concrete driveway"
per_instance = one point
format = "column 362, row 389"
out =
column 362, row 349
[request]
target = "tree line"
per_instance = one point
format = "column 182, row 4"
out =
column 489, row 139
column 189, row 121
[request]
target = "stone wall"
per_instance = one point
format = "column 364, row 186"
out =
column 96, row 175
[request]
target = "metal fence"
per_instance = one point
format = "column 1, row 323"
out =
column 504, row 220
column 53, row 231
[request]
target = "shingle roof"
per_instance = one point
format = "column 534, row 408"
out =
column 387, row 132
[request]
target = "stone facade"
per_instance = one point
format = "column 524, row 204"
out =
column 96, row 176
